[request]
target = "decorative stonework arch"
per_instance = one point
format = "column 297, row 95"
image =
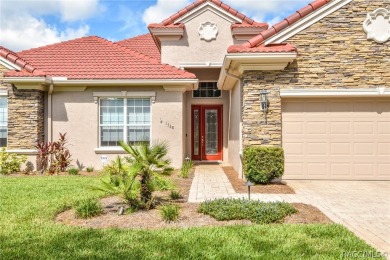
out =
column 208, row 31
column 377, row 25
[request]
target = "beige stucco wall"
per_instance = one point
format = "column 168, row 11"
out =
column 332, row 53
column 234, row 131
column 77, row 114
column 192, row 49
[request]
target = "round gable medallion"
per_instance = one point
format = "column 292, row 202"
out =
column 377, row 25
column 208, row 31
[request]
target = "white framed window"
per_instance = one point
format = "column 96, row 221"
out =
column 3, row 120
column 127, row 119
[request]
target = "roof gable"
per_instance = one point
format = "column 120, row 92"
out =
column 13, row 61
column 96, row 58
column 309, row 12
column 200, row 6
column 208, row 6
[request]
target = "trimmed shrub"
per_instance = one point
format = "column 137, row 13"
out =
column 88, row 208
column 73, row 171
column 186, row 168
column 90, row 169
column 10, row 162
column 175, row 195
column 170, row 212
column 238, row 209
column 263, row 164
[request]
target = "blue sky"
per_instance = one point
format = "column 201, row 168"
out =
column 26, row 24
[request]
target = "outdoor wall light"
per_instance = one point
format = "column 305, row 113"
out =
column 264, row 102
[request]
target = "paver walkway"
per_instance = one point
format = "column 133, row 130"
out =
column 361, row 206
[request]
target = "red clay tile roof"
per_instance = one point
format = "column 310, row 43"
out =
column 27, row 68
column 298, row 15
column 270, row 48
column 143, row 44
column 247, row 25
column 96, row 58
column 169, row 21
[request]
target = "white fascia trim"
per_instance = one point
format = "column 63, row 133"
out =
column 24, row 152
column 208, row 6
column 125, row 94
column 307, row 21
column 207, row 64
column 254, row 56
column 110, row 150
column 260, row 58
column 366, row 92
column 167, row 31
column 9, row 65
column 125, row 82
column 25, row 79
column 3, row 92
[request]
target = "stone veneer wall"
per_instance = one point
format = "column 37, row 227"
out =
column 333, row 53
column 25, row 118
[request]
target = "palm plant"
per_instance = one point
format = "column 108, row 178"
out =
column 150, row 163
column 120, row 181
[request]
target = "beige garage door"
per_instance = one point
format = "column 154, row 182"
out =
column 336, row 139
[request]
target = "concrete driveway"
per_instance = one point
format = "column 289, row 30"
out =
column 361, row 206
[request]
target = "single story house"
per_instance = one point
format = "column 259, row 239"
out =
column 212, row 81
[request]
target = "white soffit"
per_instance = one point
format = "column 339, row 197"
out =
column 208, row 6
column 366, row 92
column 206, row 64
column 9, row 65
column 307, row 21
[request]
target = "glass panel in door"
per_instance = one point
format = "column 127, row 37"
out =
column 196, row 132
column 211, row 131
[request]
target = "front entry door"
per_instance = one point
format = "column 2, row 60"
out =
column 207, row 132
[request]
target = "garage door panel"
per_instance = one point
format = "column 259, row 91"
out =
column 293, row 127
column 341, row 169
column 364, row 169
column 340, row 148
column 384, row 171
column 316, row 107
column 384, row 128
column 317, row 169
column 346, row 139
column 361, row 127
column 363, row 107
column 384, row 107
column 364, row 149
column 340, row 107
column 295, row 169
column 294, row 108
column 384, row 149
column 316, row 127
column 341, row 127
column 317, row 148
column 294, row 148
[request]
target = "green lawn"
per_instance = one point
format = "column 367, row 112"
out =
column 27, row 231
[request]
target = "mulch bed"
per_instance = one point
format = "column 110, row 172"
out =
column 239, row 184
column 189, row 217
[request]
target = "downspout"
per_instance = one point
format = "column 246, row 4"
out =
column 50, row 113
column 240, row 132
